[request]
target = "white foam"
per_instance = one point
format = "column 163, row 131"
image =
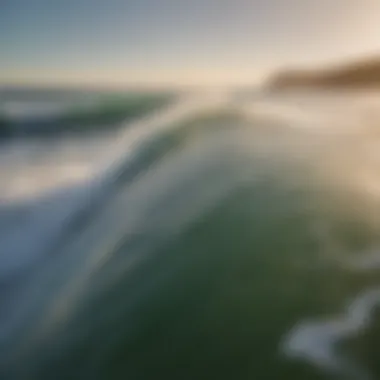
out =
column 32, row 168
column 316, row 341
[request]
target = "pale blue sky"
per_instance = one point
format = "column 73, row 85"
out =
column 178, row 41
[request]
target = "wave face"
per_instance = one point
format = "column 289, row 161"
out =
column 217, row 239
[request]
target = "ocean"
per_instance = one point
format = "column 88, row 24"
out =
column 220, row 235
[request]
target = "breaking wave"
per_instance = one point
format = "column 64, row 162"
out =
column 216, row 239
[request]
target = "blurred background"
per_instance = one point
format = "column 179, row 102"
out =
column 189, row 189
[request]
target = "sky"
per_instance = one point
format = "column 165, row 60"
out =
column 187, row 42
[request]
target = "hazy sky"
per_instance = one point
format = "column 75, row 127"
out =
column 178, row 41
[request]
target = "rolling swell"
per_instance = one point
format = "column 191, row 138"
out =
column 218, row 236
column 78, row 115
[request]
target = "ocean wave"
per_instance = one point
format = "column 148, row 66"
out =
column 209, row 231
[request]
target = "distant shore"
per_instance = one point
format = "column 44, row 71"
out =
column 364, row 74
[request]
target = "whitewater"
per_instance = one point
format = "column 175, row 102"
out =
column 223, row 236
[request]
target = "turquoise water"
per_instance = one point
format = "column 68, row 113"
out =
column 228, row 240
